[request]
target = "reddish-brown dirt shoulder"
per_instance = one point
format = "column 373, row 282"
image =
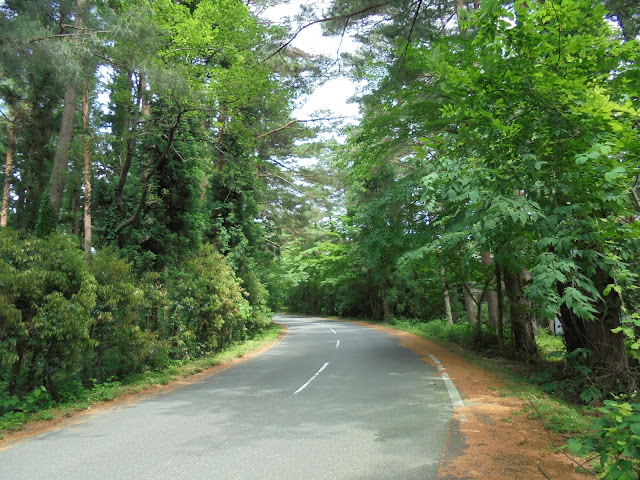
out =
column 489, row 437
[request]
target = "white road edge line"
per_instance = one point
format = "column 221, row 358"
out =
column 311, row 379
column 454, row 395
column 337, row 343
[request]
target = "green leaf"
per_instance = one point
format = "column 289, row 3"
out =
column 605, row 149
column 540, row 164
column 611, row 175
column 575, row 445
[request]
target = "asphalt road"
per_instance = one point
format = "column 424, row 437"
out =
column 332, row 400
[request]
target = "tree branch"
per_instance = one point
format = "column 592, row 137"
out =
column 293, row 122
column 324, row 20
column 413, row 24
column 67, row 35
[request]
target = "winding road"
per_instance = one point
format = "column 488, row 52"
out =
column 331, row 400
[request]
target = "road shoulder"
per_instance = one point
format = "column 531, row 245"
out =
column 489, row 437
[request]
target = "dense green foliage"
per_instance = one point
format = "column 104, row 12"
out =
column 493, row 174
column 492, row 181
column 615, row 438
column 167, row 181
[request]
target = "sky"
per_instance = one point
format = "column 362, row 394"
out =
column 333, row 94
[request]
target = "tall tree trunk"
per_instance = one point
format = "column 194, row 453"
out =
column 61, row 160
column 205, row 160
column 445, row 291
column 130, row 136
column 454, row 297
column 520, row 313
column 8, row 171
column 87, row 172
column 38, row 133
column 16, row 368
column 607, row 350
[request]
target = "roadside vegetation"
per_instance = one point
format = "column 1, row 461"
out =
column 38, row 405
column 140, row 191
column 154, row 211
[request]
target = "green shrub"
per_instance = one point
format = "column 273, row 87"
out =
column 615, row 437
column 120, row 346
column 210, row 308
column 45, row 303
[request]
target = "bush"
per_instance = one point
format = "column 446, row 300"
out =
column 119, row 346
column 615, row 437
column 45, row 304
column 210, row 308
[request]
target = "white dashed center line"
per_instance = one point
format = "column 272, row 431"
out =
column 311, row 379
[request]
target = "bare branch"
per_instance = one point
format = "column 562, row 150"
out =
column 293, row 122
column 543, row 472
column 284, row 180
column 413, row 24
column 279, row 129
column 324, row 20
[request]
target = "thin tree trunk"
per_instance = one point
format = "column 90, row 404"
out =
column 8, row 171
column 61, row 160
column 87, row 172
column 447, row 301
column 222, row 120
column 75, row 210
column 500, row 308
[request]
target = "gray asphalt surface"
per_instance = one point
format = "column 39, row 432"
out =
column 375, row 411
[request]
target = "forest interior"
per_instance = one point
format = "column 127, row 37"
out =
column 161, row 197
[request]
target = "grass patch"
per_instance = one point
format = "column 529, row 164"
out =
column 550, row 345
column 108, row 391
